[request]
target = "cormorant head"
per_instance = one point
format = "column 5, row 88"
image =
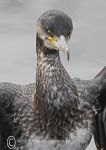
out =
column 54, row 28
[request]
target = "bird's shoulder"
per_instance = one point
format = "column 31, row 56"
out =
column 9, row 92
column 15, row 109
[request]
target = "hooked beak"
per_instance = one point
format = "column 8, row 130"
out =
column 60, row 44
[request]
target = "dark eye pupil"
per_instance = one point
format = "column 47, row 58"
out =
column 49, row 32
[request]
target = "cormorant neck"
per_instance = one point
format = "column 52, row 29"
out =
column 48, row 63
column 53, row 101
column 44, row 52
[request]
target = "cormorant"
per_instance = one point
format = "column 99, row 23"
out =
column 100, row 127
column 94, row 92
column 50, row 114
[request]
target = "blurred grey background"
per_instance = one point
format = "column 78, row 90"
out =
column 18, row 19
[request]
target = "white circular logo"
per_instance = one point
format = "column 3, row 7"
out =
column 11, row 142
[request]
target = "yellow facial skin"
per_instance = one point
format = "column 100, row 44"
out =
column 53, row 39
column 59, row 43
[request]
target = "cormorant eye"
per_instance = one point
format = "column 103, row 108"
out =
column 50, row 34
